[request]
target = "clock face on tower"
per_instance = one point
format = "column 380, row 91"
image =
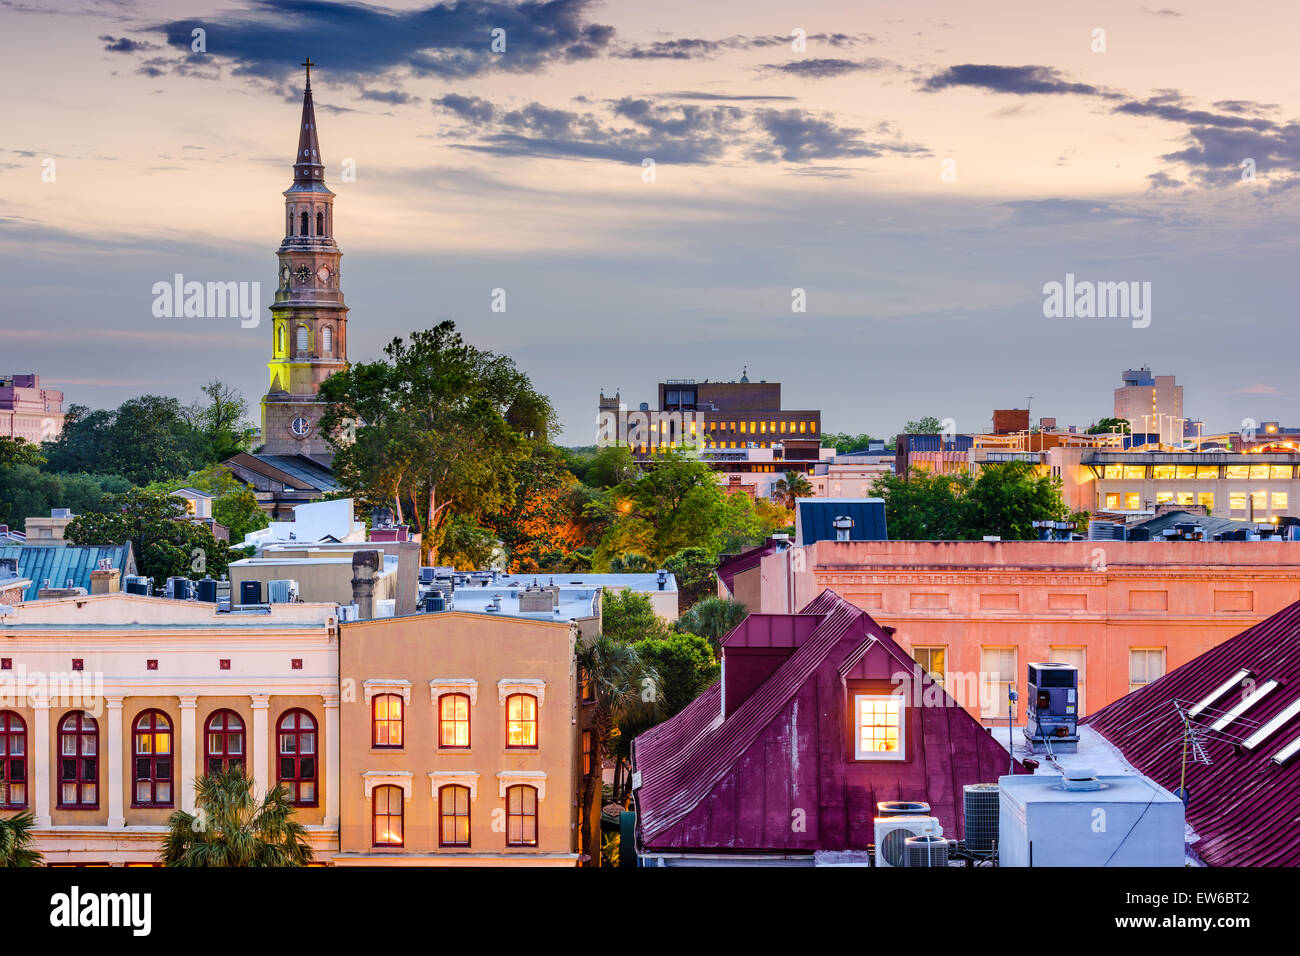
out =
column 300, row 426
column 303, row 273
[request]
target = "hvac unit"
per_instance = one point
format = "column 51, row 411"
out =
column 925, row 851
column 179, row 588
column 282, row 591
column 207, row 591
column 980, row 808
column 250, row 592
column 348, row 612
column 137, row 584
column 902, row 808
column 426, row 574
column 892, row 834
column 1052, row 709
column 434, row 601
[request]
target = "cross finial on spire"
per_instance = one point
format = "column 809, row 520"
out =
column 308, row 64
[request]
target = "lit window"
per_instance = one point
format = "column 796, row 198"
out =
column 387, row 802
column 1162, row 472
column 521, row 720
column 224, row 741
column 1279, row 471
column 453, row 815
column 521, row 816
column 1206, row 498
column 1113, row 471
column 1207, row 471
column 1237, row 500
column 1132, row 501
column 297, row 736
column 453, row 720
column 153, row 759
column 801, row 427
column 79, row 761
column 932, row 660
column 586, row 752
column 13, row 761
column 326, row 340
column 1145, row 664
column 878, row 727
column 1259, row 500
column 386, row 732
column 1279, row 501
column 1112, row 501
column 1236, row 471
column 1164, row 497
column 1185, row 498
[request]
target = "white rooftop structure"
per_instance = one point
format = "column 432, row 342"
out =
column 316, row 521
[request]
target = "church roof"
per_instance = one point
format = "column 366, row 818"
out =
column 307, row 165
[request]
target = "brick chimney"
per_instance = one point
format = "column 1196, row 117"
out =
column 365, row 567
column 105, row 581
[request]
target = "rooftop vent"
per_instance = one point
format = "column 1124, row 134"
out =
column 1080, row 779
column 843, row 525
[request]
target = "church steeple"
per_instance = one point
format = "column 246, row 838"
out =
column 307, row 166
column 308, row 317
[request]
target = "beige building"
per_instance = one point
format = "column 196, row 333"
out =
column 1150, row 403
column 325, row 575
column 463, row 737
column 112, row 705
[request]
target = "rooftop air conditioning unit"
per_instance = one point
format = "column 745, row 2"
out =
column 282, row 591
column 926, row 851
column 892, row 834
column 902, row 808
column 981, row 807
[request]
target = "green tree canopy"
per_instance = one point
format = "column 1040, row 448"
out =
column 713, row 618
column 845, row 442
column 1107, row 425
column 696, row 571
column 628, row 616
column 685, row 663
column 431, row 428
column 926, row 425
column 20, row 451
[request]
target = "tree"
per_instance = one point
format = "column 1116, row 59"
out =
column 792, row 485
column 611, row 466
column 712, row 619
column 19, row 451
column 232, row 828
column 924, row 506
column 16, row 839
column 927, row 425
column 696, row 572
column 1008, row 497
column 145, row 439
column 221, row 419
column 845, row 442
column 628, row 616
column 686, row 665
column 618, row 678
column 431, row 428
column 541, row 515
column 164, row 544
column 234, row 505
column 1107, row 425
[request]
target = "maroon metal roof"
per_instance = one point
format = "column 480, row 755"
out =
column 739, row 784
column 732, row 565
column 1243, row 806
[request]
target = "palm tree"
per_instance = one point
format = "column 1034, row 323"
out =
column 231, row 828
column 793, row 485
column 713, row 619
column 16, row 841
column 630, row 563
column 622, row 685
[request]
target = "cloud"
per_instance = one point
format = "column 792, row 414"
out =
column 1168, row 106
column 354, row 41
column 393, row 97
column 475, row 109
column 126, row 45
column 799, row 136
column 695, row 48
column 1019, row 80
column 826, row 68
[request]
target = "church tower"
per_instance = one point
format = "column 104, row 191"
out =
column 308, row 318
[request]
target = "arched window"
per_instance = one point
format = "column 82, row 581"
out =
column 326, row 340
column 453, row 815
column 320, row 224
column 78, row 761
column 13, row 760
column 387, row 815
column 223, row 741
column 521, row 816
column 297, row 734
column 521, row 720
column 302, row 338
column 302, row 225
column 152, row 735
column 453, row 721
column 279, row 340
column 386, row 723
column 289, row 215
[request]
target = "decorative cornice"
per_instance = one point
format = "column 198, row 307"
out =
column 382, row 778
column 453, row 685
column 386, row 685
column 532, row 778
column 521, row 685
column 445, row 778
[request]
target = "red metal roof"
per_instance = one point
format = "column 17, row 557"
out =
column 734, row 785
column 1243, row 807
column 732, row 565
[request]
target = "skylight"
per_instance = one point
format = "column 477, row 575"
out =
column 1219, row 691
column 1273, row 726
column 1247, row 702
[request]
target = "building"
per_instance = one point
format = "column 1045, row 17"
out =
column 28, row 411
column 308, row 339
column 198, row 510
column 974, row 613
column 852, row 475
column 48, row 531
column 1237, row 709
column 1008, row 421
column 320, row 576
column 474, row 591
column 68, row 566
column 150, row 693
column 12, row 587
column 1150, row 403
column 320, row 522
column 817, row 718
column 464, row 738
column 739, row 427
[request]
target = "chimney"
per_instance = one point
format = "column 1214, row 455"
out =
column 843, row 525
column 365, row 567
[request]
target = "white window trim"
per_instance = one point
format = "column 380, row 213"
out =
column 901, row 753
column 384, row 778
column 521, row 685
column 385, row 685
column 445, row 778
column 453, row 685
column 532, row 778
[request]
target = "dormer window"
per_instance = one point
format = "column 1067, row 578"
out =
column 879, row 727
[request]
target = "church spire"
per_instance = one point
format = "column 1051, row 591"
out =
column 307, row 166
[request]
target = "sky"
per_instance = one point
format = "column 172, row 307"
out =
column 914, row 172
